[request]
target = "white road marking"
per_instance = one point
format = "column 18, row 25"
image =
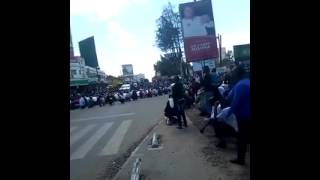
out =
column 72, row 129
column 157, row 148
column 81, row 133
column 113, row 145
column 87, row 146
column 103, row 117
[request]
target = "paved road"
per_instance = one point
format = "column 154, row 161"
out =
column 100, row 134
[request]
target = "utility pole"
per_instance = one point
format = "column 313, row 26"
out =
column 220, row 48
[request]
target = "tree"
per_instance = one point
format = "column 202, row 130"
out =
column 114, row 81
column 167, row 66
column 169, row 40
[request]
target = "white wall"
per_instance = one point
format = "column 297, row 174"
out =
column 78, row 70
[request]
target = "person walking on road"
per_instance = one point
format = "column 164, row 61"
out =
column 240, row 106
column 179, row 101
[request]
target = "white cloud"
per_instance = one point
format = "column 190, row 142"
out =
column 120, row 37
column 123, row 47
column 234, row 38
column 100, row 10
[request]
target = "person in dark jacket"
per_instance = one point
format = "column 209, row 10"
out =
column 179, row 101
column 206, row 82
column 171, row 112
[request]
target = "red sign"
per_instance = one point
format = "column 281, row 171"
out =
column 200, row 48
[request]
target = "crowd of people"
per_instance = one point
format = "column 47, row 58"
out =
column 101, row 95
column 223, row 98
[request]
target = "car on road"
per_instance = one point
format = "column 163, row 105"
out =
column 127, row 91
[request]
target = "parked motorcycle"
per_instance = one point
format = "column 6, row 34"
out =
column 110, row 99
column 134, row 95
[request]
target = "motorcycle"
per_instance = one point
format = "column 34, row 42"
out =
column 134, row 95
column 110, row 100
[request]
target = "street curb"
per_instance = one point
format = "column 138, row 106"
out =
column 133, row 153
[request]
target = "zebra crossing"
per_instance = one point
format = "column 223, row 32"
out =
column 88, row 136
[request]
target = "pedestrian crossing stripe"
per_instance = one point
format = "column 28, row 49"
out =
column 114, row 143
column 111, row 147
column 74, row 138
column 88, row 145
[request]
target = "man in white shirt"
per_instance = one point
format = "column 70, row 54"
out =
column 192, row 25
column 82, row 102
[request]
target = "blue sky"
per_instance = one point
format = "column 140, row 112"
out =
column 124, row 30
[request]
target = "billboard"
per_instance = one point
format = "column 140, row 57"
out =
column 241, row 52
column 127, row 70
column 198, row 30
column 198, row 66
column 88, row 52
column 242, row 55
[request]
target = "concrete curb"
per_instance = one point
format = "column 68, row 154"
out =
column 133, row 153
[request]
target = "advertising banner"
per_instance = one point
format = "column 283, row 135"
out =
column 197, row 66
column 241, row 52
column 242, row 55
column 198, row 30
column 127, row 70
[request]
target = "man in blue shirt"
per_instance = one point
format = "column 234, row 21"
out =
column 239, row 98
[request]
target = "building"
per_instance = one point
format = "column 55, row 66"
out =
column 138, row 77
column 95, row 75
column 81, row 75
column 78, row 75
column 88, row 52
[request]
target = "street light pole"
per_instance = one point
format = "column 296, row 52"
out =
column 98, row 77
column 220, row 48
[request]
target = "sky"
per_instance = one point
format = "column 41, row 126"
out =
column 124, row 30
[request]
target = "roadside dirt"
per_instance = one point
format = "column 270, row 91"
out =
column 219, row 158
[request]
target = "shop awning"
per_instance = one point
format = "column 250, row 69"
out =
column 79, row 82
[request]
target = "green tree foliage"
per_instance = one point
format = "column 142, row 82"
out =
column 168, row 34
column 168, row 66
column 169, row 41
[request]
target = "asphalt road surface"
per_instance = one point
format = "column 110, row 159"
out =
column 100, row 134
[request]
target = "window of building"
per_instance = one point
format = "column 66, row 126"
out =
column 73, row 73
